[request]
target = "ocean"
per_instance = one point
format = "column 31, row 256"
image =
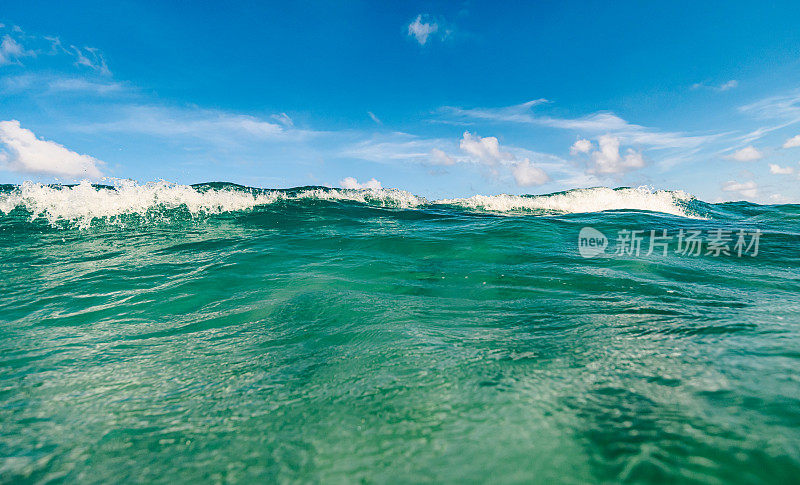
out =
column 219, row 333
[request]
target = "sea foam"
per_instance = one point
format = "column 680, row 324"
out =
column 380, row 197
column 83, row 203
column 583, row 200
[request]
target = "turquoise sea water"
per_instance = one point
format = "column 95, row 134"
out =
column 219, row 333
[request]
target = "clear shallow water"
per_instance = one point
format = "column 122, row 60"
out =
column 221, row 333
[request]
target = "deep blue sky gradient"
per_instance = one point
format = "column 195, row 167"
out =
column 327, row 64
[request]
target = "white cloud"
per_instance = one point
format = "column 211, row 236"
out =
column 439, row 157
column 527, row 175
column 485, row 150
column 581, row 146
column 422, row 30
column 11, row 51
column 26, row 153
column 744, row 189
column 352, row 183
column 746, row 154
column 778, row 170
column 792, row 142
column 374, row 118
column 609, row 160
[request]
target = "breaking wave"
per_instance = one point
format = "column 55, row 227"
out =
column 85, row 203
column 584, row 200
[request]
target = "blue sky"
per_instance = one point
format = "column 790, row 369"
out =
column 438, row 98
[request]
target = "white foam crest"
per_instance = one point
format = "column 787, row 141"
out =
column 382, row 197
column 83, row 203
column 582, row 200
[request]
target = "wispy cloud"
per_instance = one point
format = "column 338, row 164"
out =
column 18, row 44
column 11, row 51
column 205, row 124
column 733, row 83
column 439, row 157
column 374, row 118
column 726, row 86
column 519, row 113
column 602, row 122
column 283, row 119
column 91, row 58
column 392, row 148
column 40, row 84
column 75, row 84
column 784, row 106
column 747, row 189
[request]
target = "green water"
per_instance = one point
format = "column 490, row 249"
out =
column 338, row 341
